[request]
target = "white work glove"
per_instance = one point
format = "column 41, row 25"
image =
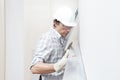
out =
column 61, row 64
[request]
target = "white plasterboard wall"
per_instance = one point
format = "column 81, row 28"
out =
column 100, row 38
column 2, row 41
column 14, row 39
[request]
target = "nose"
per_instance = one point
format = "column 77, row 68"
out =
column 68, row 30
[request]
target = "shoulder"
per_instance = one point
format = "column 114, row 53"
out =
column 45, row 37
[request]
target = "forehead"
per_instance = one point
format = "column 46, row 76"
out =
column 68, row 27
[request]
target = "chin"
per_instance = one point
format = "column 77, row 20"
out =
column 64, row 35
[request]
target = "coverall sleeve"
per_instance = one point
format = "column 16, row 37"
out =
column 42, row 51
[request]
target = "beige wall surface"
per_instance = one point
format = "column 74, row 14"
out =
column 37, row 21
column 2, row 36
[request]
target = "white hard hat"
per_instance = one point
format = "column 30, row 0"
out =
column 65, row 16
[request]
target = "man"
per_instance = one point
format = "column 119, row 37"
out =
column 49, row 59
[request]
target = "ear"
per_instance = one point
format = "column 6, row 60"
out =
column 56, row 22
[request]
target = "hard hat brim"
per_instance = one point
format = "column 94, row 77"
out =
column 69, row 24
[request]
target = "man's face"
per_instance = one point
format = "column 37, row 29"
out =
column 64, row 30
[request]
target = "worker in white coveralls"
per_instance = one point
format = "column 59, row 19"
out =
column 49, row 58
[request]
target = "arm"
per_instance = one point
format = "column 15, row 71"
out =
column 42, row 68
column 42, row 51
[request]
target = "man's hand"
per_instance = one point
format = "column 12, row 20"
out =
column 61, row 64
